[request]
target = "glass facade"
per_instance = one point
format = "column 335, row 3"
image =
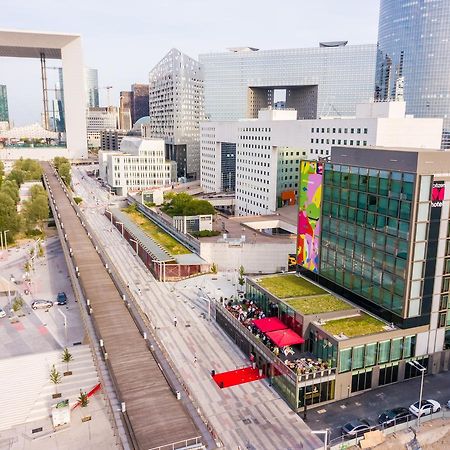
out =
column 4, row 115
column 366, row 225
column 414, row 57
column 331, row 80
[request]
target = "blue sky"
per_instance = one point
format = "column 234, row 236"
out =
column 124, row 40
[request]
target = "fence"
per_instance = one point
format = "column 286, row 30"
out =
column 342, row 443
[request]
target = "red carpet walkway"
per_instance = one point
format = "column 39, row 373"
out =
column 240, row 376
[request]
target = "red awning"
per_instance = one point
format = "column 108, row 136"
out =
column 269, row 324
column 282, row 338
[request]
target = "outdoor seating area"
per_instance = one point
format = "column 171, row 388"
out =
column 274, row 334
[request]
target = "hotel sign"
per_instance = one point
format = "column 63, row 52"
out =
column 437, row 194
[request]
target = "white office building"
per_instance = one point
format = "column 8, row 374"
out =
column 176, row 109
column 98, row 120
column 139, row 165
column 269, row 149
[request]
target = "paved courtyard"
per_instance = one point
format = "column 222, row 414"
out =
column 39, row 330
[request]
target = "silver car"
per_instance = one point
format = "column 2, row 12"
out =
column 41, row 304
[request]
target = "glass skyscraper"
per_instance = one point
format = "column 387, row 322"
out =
column 4, row 115
column 413, row 60
column 329, row 80
column 91, row 85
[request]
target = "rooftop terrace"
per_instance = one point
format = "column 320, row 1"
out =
column 317, row 304
column 289, row 286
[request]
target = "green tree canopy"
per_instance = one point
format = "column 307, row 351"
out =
column 17, row 176
column 9, row 218
column 36, row 209
column 11, row 188
column 183, row 204
column 2, row 172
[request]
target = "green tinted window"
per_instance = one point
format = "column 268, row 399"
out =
column 383, row 351
column 371, row 355
column 345, row 360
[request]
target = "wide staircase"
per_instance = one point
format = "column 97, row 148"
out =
column 27, row 389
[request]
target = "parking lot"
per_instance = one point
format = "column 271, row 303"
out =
column 43, row 329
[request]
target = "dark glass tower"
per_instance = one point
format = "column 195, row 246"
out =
column 413, row 62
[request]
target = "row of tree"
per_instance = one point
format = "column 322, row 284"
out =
column 62, row 166
column 34, row 211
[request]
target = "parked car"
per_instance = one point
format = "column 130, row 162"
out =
column 2, row 313
column 393, row 416
column 356, row 428
column 41, row 304
column 428, row 407
column 448, row 404
column 61, row 298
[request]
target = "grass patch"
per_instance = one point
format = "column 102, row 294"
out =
column 318, row 304
column 355, row 326
column 286, row 286
column 159, row 235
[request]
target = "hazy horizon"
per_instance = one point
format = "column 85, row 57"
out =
column 124, row 44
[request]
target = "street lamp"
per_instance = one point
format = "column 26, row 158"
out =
column 422, row 369
column 132, row 240
column 6, row 242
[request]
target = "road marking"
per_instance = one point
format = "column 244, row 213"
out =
column 343, row 407
column 321, row 411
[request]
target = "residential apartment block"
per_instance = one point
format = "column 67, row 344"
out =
column 269, row 149
column 139, row 165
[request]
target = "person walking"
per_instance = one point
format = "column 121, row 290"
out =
column 195, row 359
column 175, row 321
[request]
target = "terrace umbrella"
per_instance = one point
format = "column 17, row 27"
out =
column 269, row 324
column 283, row 338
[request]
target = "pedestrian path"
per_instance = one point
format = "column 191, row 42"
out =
column 27, row 390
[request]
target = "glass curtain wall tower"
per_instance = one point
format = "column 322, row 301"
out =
column 413, row 60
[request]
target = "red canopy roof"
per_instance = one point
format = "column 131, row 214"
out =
column 282, row 338
column 269, row 324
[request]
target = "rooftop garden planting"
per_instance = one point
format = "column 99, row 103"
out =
column 354, row 326
column 183, row 204
column 156, row 233
column 288, row 286
column 318, row 304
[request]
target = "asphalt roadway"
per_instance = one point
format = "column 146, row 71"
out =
column 370, row 404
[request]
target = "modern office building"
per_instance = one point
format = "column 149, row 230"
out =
column 4, row 114
column 176, row 109
column 111, row 139
column 91, row 87
column 414, row 57
column 139, row 165
column 268, row 150
column 98, row 120
column 318, row 82
column 134, row 105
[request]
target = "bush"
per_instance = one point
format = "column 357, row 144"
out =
column 185, row 205
column 77, row 200
column 205, row 233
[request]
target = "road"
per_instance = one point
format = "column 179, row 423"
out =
column 252, row 415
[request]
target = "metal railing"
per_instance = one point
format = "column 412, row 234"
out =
column 194, row 444
column 343, row 442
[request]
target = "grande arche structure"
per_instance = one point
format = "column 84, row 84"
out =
column 66, row 47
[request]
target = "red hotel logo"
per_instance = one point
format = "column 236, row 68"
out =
column 437, row 194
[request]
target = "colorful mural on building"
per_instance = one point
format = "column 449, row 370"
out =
column 310, row 202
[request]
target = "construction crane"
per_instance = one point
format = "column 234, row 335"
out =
column 108, row 88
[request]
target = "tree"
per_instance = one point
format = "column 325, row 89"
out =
column 16, row 175
column 83, row 399
column 64, row 173
column 36, row 210
column 11, row 188
column 9, row 218
column 55, row 378
column 213, row 268
column 183, row 204
column 2, row 172
column 66, row 357
column 241, row 279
